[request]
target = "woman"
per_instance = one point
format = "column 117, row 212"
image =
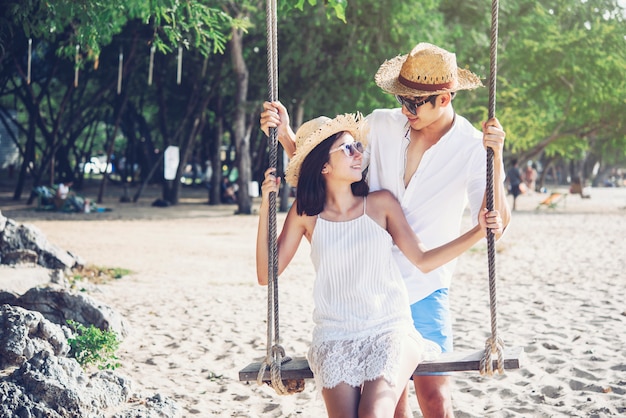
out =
column 364, row 347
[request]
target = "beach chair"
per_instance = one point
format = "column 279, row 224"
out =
column 552, row 201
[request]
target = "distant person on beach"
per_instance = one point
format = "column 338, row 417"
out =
column 228, row 191
column 514, row 178
column 62, row 193
column 364, row 347
column 530, row 177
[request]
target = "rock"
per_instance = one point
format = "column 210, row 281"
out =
column 16, row 403
column 60, row 305
column 59, row 385
column 22, row 256
column 38, row 380
column 24, row 333
column 8, row 298
column 16, row 240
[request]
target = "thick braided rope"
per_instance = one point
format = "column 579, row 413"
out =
column 275, row 352
column 494, row 344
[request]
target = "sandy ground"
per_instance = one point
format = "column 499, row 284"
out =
column 197, row 315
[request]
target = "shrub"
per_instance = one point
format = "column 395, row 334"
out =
column 91, row 345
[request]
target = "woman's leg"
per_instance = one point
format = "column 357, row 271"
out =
column 379, row 397
column 342, row 401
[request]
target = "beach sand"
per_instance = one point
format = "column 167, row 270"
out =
column 197, row 316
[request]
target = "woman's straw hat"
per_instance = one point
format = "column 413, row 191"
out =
column 315, row 131
column 427, row 70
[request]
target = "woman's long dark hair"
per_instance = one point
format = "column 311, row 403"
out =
column 311, row 189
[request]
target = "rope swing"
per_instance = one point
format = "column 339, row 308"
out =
column 275, row 356
column 493, row 345
column 287, row 375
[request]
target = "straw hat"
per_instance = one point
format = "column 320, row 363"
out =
column 425, row 71
column 315, row 131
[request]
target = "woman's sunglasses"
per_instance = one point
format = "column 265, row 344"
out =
column 410, row 105
column 349, row 148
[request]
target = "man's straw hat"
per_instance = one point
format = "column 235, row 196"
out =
column 426, row 70
column 315, row 131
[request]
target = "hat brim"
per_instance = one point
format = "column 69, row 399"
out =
column 352, row 123
column 387, row 79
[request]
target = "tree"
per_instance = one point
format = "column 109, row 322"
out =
column 560, row 91
column 81, row 31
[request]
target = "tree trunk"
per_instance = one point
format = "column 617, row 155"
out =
column 216, row 162
column 29, row 157
column 110, row 149
column 241, row 134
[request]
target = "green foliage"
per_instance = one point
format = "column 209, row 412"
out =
column 92, row 24
column 332, row 7
column 561, row 87
column 98, row 274
column 92, row 346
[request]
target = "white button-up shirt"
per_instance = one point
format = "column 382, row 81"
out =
column 450, row 175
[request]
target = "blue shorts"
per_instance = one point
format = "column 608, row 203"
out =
column 431, row 317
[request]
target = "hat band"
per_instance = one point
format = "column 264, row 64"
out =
column 426, row 87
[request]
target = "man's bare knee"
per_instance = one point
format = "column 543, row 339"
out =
column 434, row 395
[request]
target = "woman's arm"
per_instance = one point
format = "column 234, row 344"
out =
column 416, row 252
column 290, row 236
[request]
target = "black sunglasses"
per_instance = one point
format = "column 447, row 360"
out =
column 410, row 105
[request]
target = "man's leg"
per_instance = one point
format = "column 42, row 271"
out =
column 431, row 317
column 434, row 395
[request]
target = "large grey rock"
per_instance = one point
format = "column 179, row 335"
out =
column 60, row 305
column 18, row 242
column 15, row 402
column 7, row 297
column 37, row 379
column 24, row 333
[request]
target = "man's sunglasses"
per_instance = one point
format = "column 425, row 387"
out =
column 410, row 105
column 349, row 148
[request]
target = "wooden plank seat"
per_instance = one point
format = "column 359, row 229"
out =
column 298, row 368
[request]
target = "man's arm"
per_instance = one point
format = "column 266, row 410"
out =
column 275, row 115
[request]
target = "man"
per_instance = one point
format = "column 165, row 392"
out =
column 433, row 161
column 514, row 178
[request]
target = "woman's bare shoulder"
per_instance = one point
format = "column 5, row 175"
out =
column 381, row 204
column 381, row 197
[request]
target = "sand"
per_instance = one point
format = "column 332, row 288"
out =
column 197, row 315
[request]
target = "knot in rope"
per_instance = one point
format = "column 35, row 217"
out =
column 492, row 345
column 274, row 360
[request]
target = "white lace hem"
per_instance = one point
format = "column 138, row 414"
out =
column 365, row 359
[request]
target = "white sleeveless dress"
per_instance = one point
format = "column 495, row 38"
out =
column 362, row 314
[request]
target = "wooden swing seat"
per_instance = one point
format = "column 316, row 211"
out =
column 298, row 368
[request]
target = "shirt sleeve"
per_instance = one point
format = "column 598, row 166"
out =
column 477, row 182
column 367, row 153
